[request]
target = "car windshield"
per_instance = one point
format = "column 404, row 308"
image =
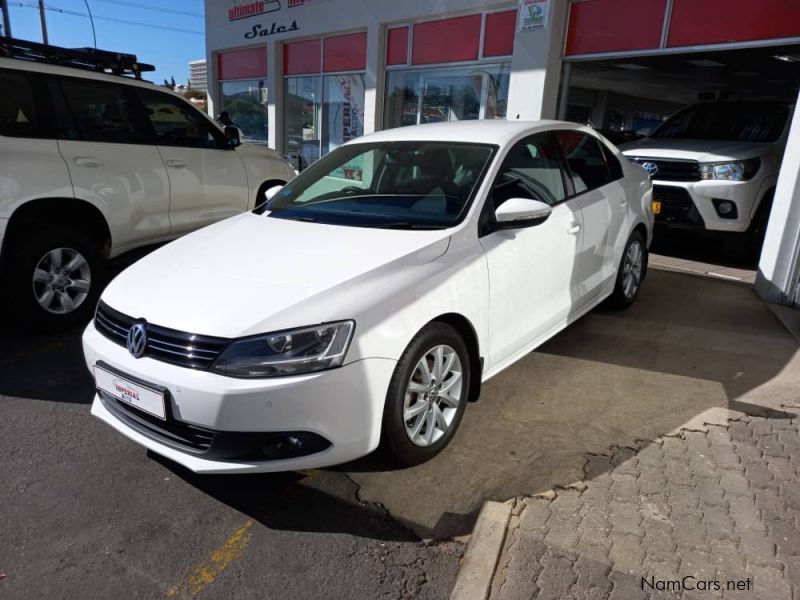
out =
column 398, row 185
column 751, row 122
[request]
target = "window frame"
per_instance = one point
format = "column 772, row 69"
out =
column 139, row 97
column 44, row 127
column 140, row 121
column 568, row 169
column 485, row 221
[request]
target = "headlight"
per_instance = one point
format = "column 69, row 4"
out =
column 731, row 171
column 293, row 352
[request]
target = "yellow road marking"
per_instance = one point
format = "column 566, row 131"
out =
column 205, row 574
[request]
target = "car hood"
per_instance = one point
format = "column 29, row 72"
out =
column 242, row 276
column 699, row 150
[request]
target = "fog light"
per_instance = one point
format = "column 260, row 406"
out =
column 726, row 209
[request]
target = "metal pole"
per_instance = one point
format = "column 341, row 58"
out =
column 44, row 22
column 6, row 19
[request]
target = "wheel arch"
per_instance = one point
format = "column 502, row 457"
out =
column 467, row 331
column 59, row 211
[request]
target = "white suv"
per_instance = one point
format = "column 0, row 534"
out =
column 93, row 165
column 715, row 166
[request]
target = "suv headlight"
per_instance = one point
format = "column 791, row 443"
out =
column 741, row 170
column 291, row 352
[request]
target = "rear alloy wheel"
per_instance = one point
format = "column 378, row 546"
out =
column 631, row 272
column 427, row 395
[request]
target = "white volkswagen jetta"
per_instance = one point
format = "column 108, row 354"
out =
column 370, row 297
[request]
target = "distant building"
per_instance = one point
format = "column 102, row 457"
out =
column 198, row 75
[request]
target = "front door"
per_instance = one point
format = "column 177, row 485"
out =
column 207, row 178
column 533, row 272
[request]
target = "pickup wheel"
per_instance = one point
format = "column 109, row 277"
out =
column 56, row 278
column 427, row 395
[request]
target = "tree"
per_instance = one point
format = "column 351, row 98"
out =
column 170, row 83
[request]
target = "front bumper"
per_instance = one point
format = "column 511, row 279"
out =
column 691, row 205
column 342, row 406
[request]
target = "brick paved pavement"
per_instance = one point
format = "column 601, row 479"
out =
column 718, row 505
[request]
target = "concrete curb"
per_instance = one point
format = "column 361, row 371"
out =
column 477, row 569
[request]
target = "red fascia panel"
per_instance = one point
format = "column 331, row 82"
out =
column 302, row 58
column 498, row 40
column 243, row 64
column 615, row 25
column 449, row 40
column 345, row 53
column 722, row 21
column 397, row 46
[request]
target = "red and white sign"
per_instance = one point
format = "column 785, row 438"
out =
column 252, row 9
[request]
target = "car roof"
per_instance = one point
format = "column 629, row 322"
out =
column 48, row 69
column 486, row 132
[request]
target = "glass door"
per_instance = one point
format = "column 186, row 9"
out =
column 303, row 117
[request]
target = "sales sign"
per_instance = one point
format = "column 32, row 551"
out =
column 534, row 15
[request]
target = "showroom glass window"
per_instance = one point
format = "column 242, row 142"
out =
column 324, row 90
column 450, row 70
column 243, row 92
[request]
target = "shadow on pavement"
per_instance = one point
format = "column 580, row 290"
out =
column 724, row 249
column 320, row 501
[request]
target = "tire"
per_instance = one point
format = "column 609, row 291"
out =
column 624, row 295
column 74, row 294
column 262, row 190
column 397, row 431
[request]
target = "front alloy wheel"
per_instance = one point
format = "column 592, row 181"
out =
column 427, row 395
column 433, row 396
column 62, row 280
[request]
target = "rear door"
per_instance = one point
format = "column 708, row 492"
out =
column 30, row 164
column 207, row 177
column 111, row 158
column 602, row 203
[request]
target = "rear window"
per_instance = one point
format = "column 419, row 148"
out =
column 18, row 116
column 103, row 112
column 751, row 122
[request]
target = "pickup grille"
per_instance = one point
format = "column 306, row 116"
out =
column 671, row 170
column 167, row 345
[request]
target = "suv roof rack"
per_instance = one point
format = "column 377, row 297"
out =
column 91, row 59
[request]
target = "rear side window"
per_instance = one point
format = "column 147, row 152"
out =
column 585, row 158
column 18, row 115
column 178, row 124
column 102, row 112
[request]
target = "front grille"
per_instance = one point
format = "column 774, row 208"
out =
column 167, row 345
column 671, row 170
column 171, row 432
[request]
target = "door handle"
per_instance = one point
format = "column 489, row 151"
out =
column 177, row 163
column 574, row 228
column 91, row 163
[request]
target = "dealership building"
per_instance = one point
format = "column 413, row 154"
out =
column 305, row 76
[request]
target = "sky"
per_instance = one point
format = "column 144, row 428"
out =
column 168, row 35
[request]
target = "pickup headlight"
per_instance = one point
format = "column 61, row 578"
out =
column 292, row 352
column 741, row 170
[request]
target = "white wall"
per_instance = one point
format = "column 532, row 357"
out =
column 777, row 280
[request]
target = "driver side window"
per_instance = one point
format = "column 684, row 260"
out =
column 532, row 169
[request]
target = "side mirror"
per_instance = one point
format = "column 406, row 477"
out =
column 272, row 192
column 517, row 213
column 232, row 135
